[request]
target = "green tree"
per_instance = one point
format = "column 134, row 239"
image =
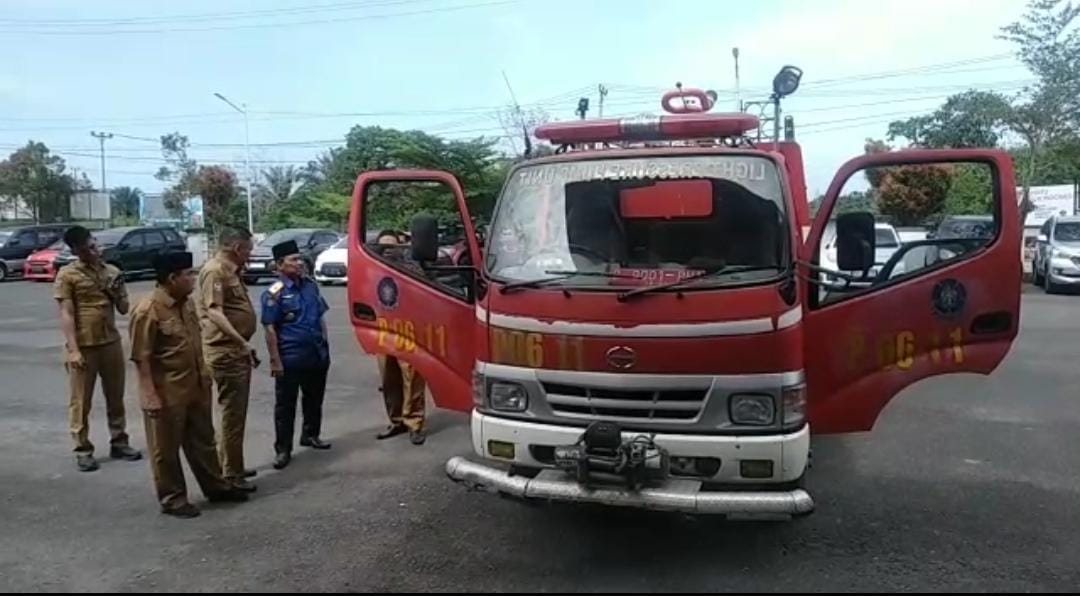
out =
column 909, row 195
column 180, row 174
column 217, row 187
column 325, row 197
column 36, row 178
column 1045, row 116
column 125, row 203
column 970, row 119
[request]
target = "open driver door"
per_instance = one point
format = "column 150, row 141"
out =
column 406, row 298
column 881, row 314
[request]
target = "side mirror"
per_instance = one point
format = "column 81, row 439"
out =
column 1043, row 238
column 855, row 241
column 122, row 246
column 425, row 239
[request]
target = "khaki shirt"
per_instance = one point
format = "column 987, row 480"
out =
column 166, row 334
column 220, row 287
column 87, row 286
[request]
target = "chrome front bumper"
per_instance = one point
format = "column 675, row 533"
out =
column 676, row 495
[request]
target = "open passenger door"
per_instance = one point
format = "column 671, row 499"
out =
column 404, row 302
column 929, row 307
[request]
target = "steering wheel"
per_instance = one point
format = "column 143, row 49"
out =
column 964, row 245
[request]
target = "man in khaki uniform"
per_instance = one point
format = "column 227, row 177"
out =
column 403, row 388
column 90, row 293
column 228, row 322
column 175, row 389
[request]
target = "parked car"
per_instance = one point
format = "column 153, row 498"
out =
column 980, row 227
column 41, row 266
column 1056, row 263
column 132, row 250
column 17, row 244
column 312, row 243
column 886, row 243
column 331, row 266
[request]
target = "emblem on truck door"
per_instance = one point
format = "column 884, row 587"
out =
column 949, row 298
column 621, row 357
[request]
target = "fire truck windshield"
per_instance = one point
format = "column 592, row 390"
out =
column 640, row 221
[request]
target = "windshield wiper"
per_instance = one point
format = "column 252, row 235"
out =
column 708, row 273
column 560, row 275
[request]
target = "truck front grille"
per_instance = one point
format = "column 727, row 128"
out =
column 575, row 401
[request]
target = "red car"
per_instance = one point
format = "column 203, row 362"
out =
column 40, row 266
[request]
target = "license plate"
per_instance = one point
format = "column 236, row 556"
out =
column 256, row 265
column 37, row 270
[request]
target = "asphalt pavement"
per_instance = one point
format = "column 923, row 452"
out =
column 967, row 483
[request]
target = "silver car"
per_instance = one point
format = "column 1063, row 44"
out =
column 1056, row 263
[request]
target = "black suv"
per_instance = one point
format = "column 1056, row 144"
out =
column 132, row 250
column 16, row 244
column 312, row 241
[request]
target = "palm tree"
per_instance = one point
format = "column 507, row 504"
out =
column 125, row 202
column 277, row 185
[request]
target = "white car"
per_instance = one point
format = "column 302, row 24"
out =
column 331, row 266
column 886, row 240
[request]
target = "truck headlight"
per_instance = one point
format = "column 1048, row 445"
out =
column 508, row 397
column 794, row 406
column 752, row 409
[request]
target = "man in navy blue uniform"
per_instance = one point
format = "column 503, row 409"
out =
column 296, row 337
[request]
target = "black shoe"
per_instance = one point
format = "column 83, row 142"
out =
column 314, row 443
column 185, row 511
column 86, row 462
column 229, row 496
column 281, row 460
column 417, row 437
column 243, row 485
column 392, row 431
column 125, row 452
column 250, row 473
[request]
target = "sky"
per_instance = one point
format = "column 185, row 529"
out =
column 308, row 72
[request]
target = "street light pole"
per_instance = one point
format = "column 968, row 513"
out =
column 247, row 158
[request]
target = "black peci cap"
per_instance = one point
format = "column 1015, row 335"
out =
column 172, row 262
column 285, row 249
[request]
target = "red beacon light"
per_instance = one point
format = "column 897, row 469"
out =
column 689, row 119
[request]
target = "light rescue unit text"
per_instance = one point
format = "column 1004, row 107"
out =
column 747, row 169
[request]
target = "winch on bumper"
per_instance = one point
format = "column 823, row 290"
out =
column 643, row 480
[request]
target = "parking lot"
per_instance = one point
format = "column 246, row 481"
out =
column 967, row 483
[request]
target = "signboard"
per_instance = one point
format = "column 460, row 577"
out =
column 1049, row 201
column 90, row 205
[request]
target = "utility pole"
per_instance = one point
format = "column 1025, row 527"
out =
column 247, row 159
column 101, row 137
column 603, row 93
column 738, row 94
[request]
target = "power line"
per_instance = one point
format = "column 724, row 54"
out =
column 219, row 16
column 291, row 24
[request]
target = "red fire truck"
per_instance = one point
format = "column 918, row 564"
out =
column 650, row 325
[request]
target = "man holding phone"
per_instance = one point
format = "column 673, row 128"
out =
column 90, row 293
